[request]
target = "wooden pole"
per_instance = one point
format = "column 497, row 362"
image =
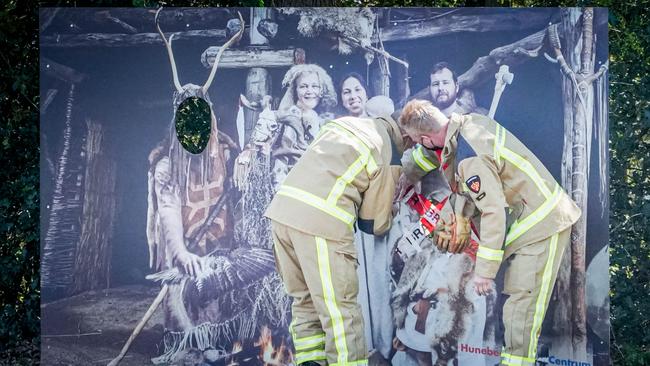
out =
column 258, row 84
column 92, row 262
column 569, row 320
column 138, row 328
column 258, row 80
column 380, row 76
column 257, row 14
column 403, row 90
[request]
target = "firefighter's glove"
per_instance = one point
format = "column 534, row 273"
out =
column 460, row 237
column 453, row 231
column 444, row 231
column 464, row 208
column 443, row 236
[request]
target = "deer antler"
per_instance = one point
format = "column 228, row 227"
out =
column 232, row 40
column 168, row 44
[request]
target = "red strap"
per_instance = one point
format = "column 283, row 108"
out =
column 429, row 218
column 439, row 154
column 428, row 215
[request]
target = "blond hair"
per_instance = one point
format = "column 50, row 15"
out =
column 420, row 116
column 328, row 93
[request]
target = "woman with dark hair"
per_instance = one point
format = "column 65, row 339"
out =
column 374, row 252
column 352, row 89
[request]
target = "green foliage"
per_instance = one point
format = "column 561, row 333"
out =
column 193, row 124
column 629, row 39
column 19, row 198
column 630, row 160
column 414, row 3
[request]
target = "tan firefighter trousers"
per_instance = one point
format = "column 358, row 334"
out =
column 529, row 279
column 321, row 276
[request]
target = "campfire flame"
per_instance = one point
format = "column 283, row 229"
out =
column 236, row 348
column 269, row 355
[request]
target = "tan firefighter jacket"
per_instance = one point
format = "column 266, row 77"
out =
column 487, row 163
column 350, row 171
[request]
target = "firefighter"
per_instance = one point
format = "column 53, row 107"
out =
column 349, row 173
column 419, row 161
column 488, row 164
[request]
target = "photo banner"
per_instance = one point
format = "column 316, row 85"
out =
column 142, row 237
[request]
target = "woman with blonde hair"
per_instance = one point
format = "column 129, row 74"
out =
column 310, row 94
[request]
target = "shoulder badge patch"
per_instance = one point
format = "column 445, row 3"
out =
column 474, row 183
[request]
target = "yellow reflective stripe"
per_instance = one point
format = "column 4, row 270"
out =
column 520, row 227
column 338, row 331
column 316, row 202
column 495, row 152
column 310, row 356
column 542, row 298
column 508, row 363
column 509, row 359
column 527, row 168
column 489, row 253
column 346, row 179
column 517, row 363
column 351, row 363
column 424, row 163
column 517, row 160
column 517, row 358
column 358, row 145
column 292, row 332
column 499, row 142
column 308, row 342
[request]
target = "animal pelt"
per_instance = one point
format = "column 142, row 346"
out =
column 355, row 23
column 490, row 332
column 262, row 302
column 453, row 302
column 401, row 296
column 456, row 304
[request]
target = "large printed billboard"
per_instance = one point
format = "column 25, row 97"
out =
column 142, row 238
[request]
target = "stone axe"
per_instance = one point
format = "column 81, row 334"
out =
column 504, row 77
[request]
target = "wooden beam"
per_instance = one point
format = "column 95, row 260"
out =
column 485, row 67
column 127, row 40
column 122, row 24
column 439, row 26
column 47, row 15
column 49, row 97
column 251, row 57
column 515, row 53
column 61, row 72
column 96, row 20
